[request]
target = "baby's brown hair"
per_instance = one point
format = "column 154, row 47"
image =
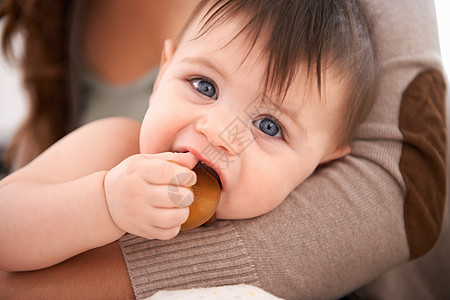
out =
column 334, row 35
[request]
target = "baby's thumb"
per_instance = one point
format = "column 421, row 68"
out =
column 186, row 159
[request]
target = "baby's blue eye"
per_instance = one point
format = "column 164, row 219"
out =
column 205, row 87
column 267, row 126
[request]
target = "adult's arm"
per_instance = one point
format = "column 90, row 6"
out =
column 350, row 222
column 96, row 274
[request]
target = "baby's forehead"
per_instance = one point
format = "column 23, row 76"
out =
column 304, row 95
column 299, row 77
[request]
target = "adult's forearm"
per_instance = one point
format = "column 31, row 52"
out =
column 98, row 273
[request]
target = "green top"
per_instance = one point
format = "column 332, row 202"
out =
column 102, row 99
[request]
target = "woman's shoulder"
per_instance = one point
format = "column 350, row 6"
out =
column 119, row 125
column 97, row 146
column 116, row 134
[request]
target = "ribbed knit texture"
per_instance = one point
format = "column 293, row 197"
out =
column 204, row 257
column 339, row 230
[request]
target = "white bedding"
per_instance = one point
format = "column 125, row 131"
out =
column 241, row 291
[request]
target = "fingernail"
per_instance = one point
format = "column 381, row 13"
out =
column 192, row 179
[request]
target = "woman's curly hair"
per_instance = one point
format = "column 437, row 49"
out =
column 44, row 61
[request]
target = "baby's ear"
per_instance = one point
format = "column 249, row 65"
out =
column 166, row 57
column 336, row 154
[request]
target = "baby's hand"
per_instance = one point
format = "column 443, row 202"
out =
column 148, row 195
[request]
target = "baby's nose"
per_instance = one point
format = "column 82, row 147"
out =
column 230, row 134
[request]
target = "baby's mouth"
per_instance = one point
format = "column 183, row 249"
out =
column 210, row 170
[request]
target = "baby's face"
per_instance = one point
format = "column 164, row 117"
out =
column 209, row 101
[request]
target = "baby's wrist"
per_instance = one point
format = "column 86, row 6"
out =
column 112, row 224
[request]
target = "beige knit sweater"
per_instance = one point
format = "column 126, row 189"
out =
column 350, row 222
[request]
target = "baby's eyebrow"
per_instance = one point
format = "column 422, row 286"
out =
column 292, row 114
column 205, row 62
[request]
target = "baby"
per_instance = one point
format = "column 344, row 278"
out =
column 262, row 92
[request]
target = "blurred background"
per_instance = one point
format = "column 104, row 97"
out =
column 12, row 98
column 443, row 17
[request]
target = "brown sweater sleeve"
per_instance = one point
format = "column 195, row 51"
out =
column 351, row 221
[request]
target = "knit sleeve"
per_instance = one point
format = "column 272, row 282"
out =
column 352, row 220
column 204, row 257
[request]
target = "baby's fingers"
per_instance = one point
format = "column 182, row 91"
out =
column 170, row 196
column 161, row 172
column 186, row 159
column 169, row 218
column 158, row 233
column 165, row 233
column 163, row 224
